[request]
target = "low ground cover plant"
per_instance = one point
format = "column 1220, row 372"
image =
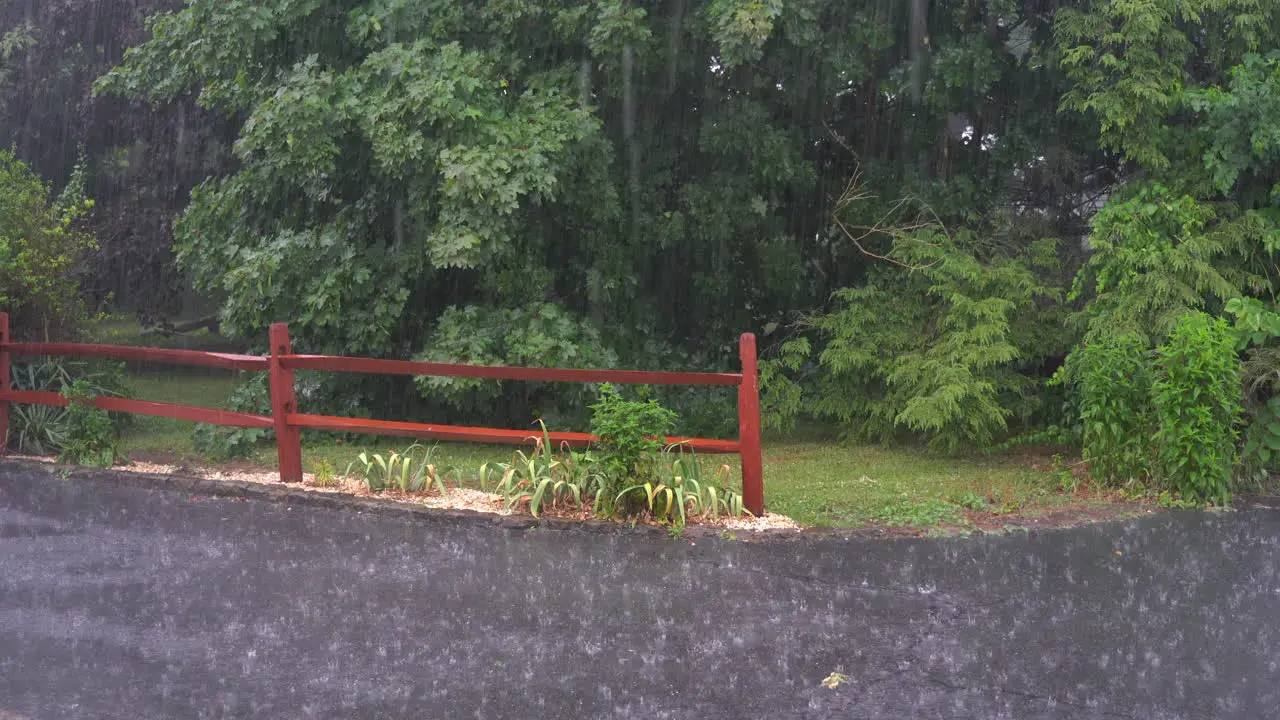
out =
column 631, row 471
column 413, row 470
column 78, row 431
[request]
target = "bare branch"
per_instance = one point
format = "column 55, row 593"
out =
column 885, row 225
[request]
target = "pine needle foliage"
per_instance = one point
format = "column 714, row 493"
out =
column 1159, row 256
column 935, row 344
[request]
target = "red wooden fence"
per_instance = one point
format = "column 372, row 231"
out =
column 287, row 419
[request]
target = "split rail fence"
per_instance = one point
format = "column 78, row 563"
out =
column 287, row 420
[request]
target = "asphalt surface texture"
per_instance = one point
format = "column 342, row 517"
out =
column 123, row 600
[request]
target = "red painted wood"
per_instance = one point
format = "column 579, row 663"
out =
column 749, row 428
column 479, row 434
column 144, row 407
column 284, row 401
column 498, row 372
column 119, row 352
column 4, row 382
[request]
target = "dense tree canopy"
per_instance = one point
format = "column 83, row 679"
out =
column 665, row 171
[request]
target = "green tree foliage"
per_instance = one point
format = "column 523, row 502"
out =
column 1171, row 415
column 539, row 335
column 1113, row 378
column 40, row 245
column 1244, row 119
column 937, row 342
column 1132, row 63
column 1196, row 396
column 395, row 162
column 1158, row 256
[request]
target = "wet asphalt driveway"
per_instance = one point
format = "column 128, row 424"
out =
column 123, row 602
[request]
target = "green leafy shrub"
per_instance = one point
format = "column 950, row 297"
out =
column 537, row 335
column 1260, row 452
column 629, row 436
column 1196, row 395
column 91, row 437
column 1173, row 417
column 1113, row 382
column 1256, row 328
column 40, row 245
column 44, row 429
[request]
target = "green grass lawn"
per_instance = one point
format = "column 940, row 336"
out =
column 816, row 482
column 837, row 484
column 165, row 435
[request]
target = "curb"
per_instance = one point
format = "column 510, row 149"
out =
column 290, row 495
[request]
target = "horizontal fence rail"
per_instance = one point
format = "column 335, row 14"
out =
column 287, row 420
column 504, row 372
column 199, row 358
column 483, row 435
column 144, row 407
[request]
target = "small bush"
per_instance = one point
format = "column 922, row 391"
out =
column 629, row 434
column 40, row 245
column 1113, row 378
column 629, row 437
column 1197, row 399
column 325, row 475
column 91, row 437
column 44, row 429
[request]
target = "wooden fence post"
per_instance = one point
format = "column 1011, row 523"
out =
column 284, row 400
column 4, row 382
column 749, row 428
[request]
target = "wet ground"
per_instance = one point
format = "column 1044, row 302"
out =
column 118, row 601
